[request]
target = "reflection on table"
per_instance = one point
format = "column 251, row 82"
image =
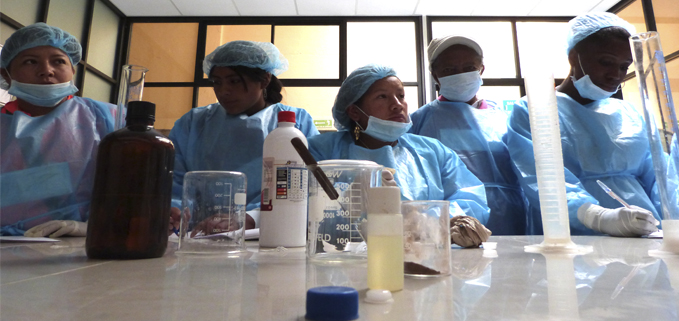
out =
column 618, row 281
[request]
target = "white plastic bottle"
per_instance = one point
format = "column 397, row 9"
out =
column 385, row 239
column 285, row 188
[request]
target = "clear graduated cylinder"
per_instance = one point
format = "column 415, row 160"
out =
column 544, row 124
column 131, row 89
column 656, row 96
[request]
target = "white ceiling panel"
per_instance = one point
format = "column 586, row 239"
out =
column 563, row 8
column 445, row 7
column 135, row 8
column 326, row 7
column 604, row 5
column 200, row 8
column 266, row 7
column 385, row 7
column 504, row 7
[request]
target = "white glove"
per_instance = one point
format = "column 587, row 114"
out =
column 622, row 221
column 56, row 229
column 388, row 178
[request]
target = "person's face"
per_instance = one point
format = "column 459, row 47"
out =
column 237, row 95
column 40, row 65
column 385, row 99
column 605, row 63
column 456, row 59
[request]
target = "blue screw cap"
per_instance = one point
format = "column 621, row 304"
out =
column 332, row 303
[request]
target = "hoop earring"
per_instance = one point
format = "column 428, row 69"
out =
column 357, row 132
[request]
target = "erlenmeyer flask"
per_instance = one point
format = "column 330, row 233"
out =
column 131, row 89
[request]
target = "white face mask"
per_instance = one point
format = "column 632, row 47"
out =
column 461, row 87
column 587, row 89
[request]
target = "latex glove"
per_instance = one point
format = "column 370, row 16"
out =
column 467, row 231
column 621, row 221
column 56, row 229
column 388, row 177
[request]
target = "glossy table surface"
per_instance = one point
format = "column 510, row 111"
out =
column 617, row 281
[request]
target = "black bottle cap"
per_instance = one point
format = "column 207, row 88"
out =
column 141, row 110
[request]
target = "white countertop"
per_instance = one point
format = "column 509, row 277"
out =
column 618, row 281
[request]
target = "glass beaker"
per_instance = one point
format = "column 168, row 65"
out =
column 426, row 238
column 336, row 226
column 131, row 89
column 213, row 212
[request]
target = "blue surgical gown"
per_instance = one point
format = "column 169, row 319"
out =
column 603, row 140
column 47, row 163
column 207, row 138
column 425, row 169
column 476, row 136
column 673, row 178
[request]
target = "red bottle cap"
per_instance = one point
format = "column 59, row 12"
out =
column 286, row 116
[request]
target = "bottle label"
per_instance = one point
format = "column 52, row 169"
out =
column 283, row 182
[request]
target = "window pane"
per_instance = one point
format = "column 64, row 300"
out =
column 5, row 31
column 171, row 103
column 69, row 16
column 103, row 39
column 97, row 88
column 317, row 101
column 312, row 51
column 548, row 38
column 218, row 35
column 503, row 96
column 411, row 98
column 495, row 38
column 667, row 19
column 168, row 50
column 634, row 14
column 206, row 96
column 387, row 43
column 23, row 11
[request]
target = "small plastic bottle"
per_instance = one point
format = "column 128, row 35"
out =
column 285, row 189
column 385, row 239
column 130, row 209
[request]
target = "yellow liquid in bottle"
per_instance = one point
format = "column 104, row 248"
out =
column 385, row 262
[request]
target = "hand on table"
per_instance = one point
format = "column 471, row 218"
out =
column 621, row 221
column 58, row 228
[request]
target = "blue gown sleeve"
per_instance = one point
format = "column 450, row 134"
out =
column 179, row 135
column 520, row 145
column 673, row 177
column 305, row 123
column 416, row 117
column 464, row 190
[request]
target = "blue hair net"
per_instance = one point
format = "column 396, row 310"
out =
column 262, row 55
column 585, row 25
column 36, row 35
column 353, row 88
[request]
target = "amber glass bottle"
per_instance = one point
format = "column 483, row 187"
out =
column 130, row 210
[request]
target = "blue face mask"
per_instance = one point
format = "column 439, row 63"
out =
column 42, row 95
column 385, row 130
column 587, row 89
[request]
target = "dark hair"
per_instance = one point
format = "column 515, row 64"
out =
column 273, row 90
column 603, row 36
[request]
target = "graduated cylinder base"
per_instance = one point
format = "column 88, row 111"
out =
column 670, row 243
column 564, row 246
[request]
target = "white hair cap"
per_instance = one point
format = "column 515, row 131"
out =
column 438, row 45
